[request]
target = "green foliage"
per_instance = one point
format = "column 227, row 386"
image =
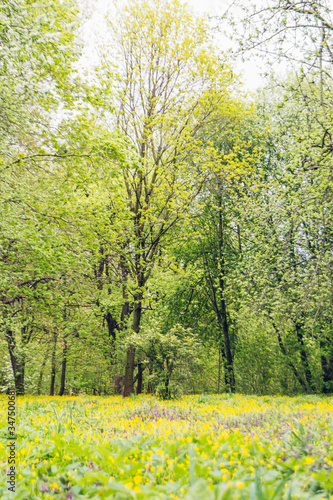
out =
column 158, row 200
column 170, row 357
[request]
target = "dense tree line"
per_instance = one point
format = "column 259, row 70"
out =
column 160, row 230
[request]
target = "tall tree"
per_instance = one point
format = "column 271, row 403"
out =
column 169, row 83
column 37, row 50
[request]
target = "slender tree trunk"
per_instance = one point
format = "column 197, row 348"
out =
column 304, row 357
column 40, row 380
column 223, row 311
column 130, row 356
column 150, row 388
column 219, row 373
column 19, row 379
column 53, row 364
column 17, row 361
column 326, row 359
column 140, row 378
column 63, row 369
column 228, row 360
column 112, row 325
column 290, row 364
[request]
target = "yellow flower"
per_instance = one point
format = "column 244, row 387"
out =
column 137, row 479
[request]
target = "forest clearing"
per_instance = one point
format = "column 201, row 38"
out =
column 200, row 447
column 166, row 249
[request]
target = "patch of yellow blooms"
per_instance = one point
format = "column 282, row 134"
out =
column 141, row 442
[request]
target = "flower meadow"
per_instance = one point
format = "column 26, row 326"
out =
column 198, row 447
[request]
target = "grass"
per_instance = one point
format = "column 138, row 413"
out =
column 200, row 447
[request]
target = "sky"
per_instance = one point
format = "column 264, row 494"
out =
column 94, row 30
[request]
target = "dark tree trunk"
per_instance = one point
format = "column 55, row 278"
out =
column 19, row 379
column 53, row 365
column 130, row 357
column 227, row 358
column 304, row 358
column 224, row 363
column 63, row 369
column 112, row 325
column 326, row 358
column 290, row 364
column 223, row 320
column 219, row 373
column 129, row 372
column 18, row 362
column 140, row 378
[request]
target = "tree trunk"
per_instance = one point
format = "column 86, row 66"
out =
column 18, row 362
column 223, row 320
column 140, row 378
column 63, row 369
column 326, row 359
column 129, row 371
column 290, row 364
column 53, row 365
column 304, row 358
column 130, row 356
column 39, row 386
column 19, row 378
column 219, row 373
column 228, row 361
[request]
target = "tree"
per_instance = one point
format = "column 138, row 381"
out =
column 298, row 31
column 37, row 49
column 301, row 33
column 168, row 356
column 169, row 84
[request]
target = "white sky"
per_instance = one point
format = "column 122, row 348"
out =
column 95, row 29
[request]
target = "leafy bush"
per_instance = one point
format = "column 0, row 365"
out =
column 170, row 357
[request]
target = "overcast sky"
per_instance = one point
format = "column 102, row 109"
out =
column 95, row 29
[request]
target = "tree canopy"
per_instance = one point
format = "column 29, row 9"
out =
column 162, row 231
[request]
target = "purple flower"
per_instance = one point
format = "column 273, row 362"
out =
column 69, row 496
column 44, row 487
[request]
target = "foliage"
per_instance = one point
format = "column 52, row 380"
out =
column 174, row 353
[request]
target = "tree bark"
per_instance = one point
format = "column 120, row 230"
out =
column 17, row 361
column 304, row 358
column 290, row 364
column 219, row 373
column 327, row 367
column 130, row 356
column 129, row 371
column 140, row 378
column 63, row 369
column 53, row 365
column 223, row 311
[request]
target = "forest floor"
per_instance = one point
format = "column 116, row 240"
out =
column 199, row 447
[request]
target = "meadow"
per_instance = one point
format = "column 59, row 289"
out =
column 199, row 447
